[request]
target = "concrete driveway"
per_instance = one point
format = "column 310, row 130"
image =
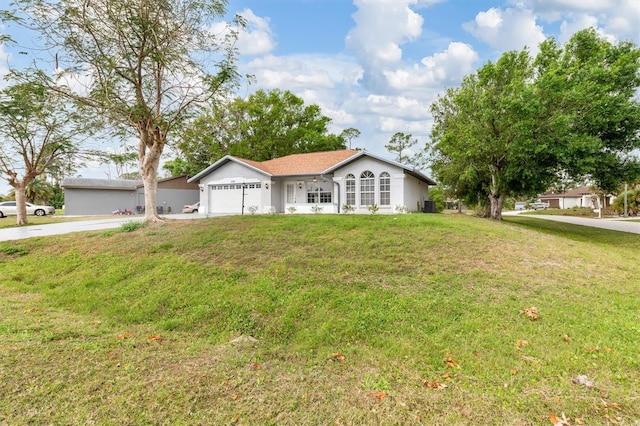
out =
column 612, row 224
column 21, row 232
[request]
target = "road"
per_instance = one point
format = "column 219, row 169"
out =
column 22, row 232
column 614, row 224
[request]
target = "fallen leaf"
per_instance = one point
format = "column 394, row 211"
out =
column 557, row 421
column 434, row 385
column 607, row 348
column 124, row 336
column 531, row 313
column 520, row 343
column 450, row 362
column 338, row 356
column 592, row 349
column 578, row 421
column 380, row 395
column 256, row 366
column 566, row 338
column 476, row 356
column 155, row 338
column 235, row 396
column 514, row 372
column 33, row 310
column 530, row 358
column 447, row 376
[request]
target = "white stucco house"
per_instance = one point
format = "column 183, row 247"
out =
column 319, row 182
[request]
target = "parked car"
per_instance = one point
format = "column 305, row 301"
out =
column 191, row 208
column 539, row 206
column 8, row 208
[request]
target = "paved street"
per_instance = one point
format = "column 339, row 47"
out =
column 615, row 224
column 18, row 233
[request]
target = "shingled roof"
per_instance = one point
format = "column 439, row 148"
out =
column 302, row 164
column 307, row 164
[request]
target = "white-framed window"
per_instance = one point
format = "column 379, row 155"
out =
column 367, row 188
column 350, row 187
column 385, row 189
column 318, row 192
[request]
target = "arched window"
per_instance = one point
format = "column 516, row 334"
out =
column 385, row 189
column 351, row 189
column 367, row 188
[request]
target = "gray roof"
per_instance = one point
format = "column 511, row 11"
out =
column 86, row 183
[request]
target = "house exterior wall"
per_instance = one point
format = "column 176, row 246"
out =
column 91, row 201
column 172, row 200
column 405, row 190
column 416, row 193
column 222, row 190
column 299, row 202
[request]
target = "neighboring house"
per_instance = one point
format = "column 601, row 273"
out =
column 103, row 196
column 578, row 197
column 312, row 182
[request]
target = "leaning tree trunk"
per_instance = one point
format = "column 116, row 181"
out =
column 152, row 141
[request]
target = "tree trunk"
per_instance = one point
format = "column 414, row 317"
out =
column 152, row 141
column 497, row 201
column 21, row 208
column 496, row 198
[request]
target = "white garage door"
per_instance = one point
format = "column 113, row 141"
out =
column 227, row 198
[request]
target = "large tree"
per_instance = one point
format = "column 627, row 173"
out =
column 142, row 66
column 514, row 127
column 265, row 125
column 37, row 128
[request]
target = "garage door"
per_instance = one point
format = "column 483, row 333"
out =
column 227, row 198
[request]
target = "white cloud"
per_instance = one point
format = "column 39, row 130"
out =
column 300, row 72
column 509, row 29
column 577, row 22
column 381, row 28
column 612, row 18
column 437, row 71
column 257, row 38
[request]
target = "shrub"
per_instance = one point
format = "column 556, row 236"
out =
column 253, row 209
column 131, row 226
column 292, row 209
column 373, row 208
column 317, row 209
column 347, row 208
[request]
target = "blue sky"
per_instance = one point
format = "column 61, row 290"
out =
column 377, row 65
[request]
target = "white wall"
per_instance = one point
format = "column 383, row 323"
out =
column 230, row 201
column 405, row 190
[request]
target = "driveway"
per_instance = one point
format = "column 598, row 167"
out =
column 615, row 224
column 21, row 232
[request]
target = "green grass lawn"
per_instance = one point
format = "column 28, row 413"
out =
column 359, row 319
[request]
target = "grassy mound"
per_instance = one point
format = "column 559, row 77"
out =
column 322, row 319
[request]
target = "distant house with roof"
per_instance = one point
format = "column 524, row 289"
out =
column 578, row 197
column 311, row 182
column 84, row 196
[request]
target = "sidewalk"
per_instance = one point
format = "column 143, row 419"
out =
column 621, row 224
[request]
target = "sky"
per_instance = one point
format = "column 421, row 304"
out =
column 377, row 65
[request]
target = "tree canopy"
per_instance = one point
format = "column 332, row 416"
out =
column 140, row 66
column 37, row 128
column 266, row 125
column 516, row 125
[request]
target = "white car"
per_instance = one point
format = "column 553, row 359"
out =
column 8, row 208
column 191, row 208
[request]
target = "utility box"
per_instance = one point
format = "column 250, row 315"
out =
column 429, row 206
